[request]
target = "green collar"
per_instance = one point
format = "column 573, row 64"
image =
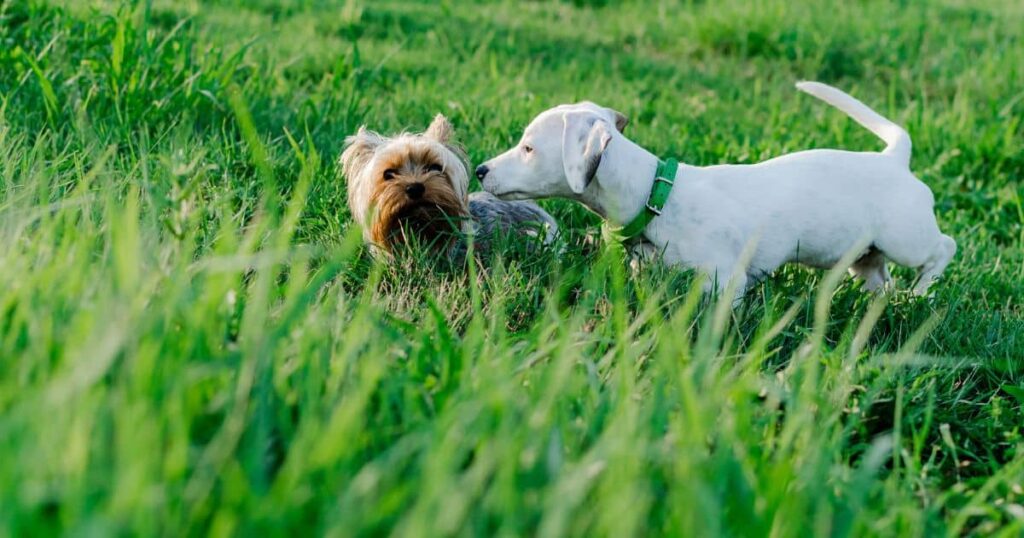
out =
column 664, row 178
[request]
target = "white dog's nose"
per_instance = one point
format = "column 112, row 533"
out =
column 481, row 171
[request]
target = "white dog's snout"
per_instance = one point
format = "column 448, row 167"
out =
column 481, row 171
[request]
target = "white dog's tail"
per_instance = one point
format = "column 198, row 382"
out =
column 897, row 139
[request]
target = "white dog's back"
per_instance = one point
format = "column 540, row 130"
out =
column 813, row 206
column 829, row 199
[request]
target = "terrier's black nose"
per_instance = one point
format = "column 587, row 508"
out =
column 481, row 171
column 415, row 190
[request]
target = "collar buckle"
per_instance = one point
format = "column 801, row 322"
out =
column 664, row 179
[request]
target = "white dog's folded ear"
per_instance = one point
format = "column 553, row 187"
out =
column 358, row 150
column 621, row 121
column 584, row 138
column 440, row 129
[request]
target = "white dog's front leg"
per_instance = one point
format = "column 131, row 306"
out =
column 722, row 280
column 641, row 253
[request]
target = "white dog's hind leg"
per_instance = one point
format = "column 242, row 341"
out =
column 935, row 264
column 872, row 270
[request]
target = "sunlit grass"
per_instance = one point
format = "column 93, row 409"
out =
column 194, row 341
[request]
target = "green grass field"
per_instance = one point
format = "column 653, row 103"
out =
column 193, row 340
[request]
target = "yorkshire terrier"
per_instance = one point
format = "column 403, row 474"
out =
column 416, row 186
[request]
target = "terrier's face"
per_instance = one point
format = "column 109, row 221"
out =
column 412, row 184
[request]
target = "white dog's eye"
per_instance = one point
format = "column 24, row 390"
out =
column 390, row 174
column 434, row 167
column 527, row 148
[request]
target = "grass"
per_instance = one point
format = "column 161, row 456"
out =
column 193, row 341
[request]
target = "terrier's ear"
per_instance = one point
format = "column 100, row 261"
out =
column 584, row 139
column 358, row 150
column 621, row 121
column 441, row 129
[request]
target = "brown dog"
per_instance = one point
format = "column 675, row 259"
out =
column 417, row 185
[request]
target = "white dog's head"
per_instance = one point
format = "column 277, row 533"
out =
column 558, row 154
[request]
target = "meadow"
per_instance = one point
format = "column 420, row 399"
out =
column 193, row 340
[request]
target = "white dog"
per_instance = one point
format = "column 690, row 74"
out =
column 738, row 221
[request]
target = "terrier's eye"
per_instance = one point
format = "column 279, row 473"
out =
column 390, row 174
column 434, row 167
column 527, row 148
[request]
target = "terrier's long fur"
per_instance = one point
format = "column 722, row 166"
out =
column 416, row 185
column 740, row 222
